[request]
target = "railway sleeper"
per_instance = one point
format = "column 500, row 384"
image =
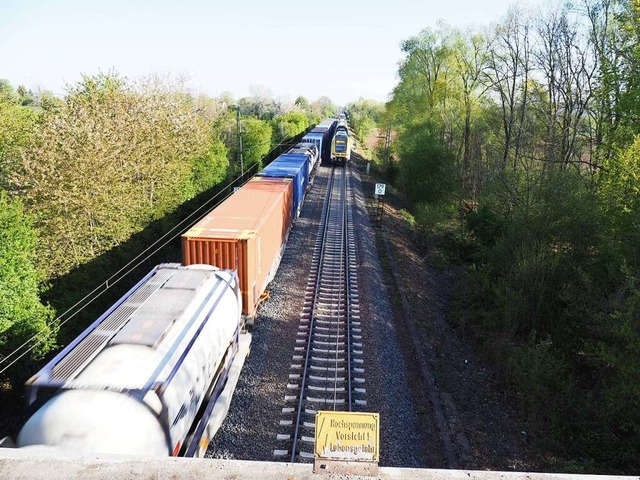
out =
column 338, row 323
column 329, row 344
column 328, row 360
column 318, row 368
column 326, row 401
column 316, row 378
column 330, row 311
column 327, row 351
column 320, row 328
column 335, row 336
column 306, row 456
column 314, row 388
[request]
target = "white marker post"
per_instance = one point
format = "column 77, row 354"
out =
column 379, row 193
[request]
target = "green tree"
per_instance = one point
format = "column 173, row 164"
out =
column 17, row 126
column 256, row 140
column 427, row 169
column 323, row 108
column 288, row 124
column 21, row 313
column 302, row 103
column 7, row 92
column 364, row 116
column 209, row 169
column 113, row 157
column 25, row 97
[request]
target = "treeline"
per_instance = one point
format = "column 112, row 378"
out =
column 82, row 174
column 518, row 145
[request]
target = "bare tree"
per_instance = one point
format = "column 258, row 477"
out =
column 565, row 58
column 470, row 54
column 509, row 68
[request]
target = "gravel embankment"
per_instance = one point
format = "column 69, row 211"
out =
column 408, row 437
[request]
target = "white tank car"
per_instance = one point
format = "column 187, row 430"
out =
column 134, row 381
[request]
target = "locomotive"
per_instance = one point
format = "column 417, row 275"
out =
column 341, row 144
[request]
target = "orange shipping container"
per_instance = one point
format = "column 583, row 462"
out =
column 247, row 232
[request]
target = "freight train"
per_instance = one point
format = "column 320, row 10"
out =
column 248, row 231
column 155, row 373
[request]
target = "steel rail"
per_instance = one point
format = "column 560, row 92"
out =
column 327, row 366
column 327, row 210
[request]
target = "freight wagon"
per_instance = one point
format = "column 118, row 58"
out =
column 247, row 233
column 321, row 136
column 297, row 167
column 146, row 377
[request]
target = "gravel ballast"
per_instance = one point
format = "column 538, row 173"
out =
column 249, row 431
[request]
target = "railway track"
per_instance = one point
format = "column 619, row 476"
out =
column 327, row 372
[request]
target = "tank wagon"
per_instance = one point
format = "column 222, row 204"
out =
column 341, row 144
column 247, row 233
column 144, row 378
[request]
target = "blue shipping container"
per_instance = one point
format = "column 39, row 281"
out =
column 295, row 166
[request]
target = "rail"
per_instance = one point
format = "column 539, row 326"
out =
column 329, row 336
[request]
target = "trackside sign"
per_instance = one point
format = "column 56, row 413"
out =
column 348, row 436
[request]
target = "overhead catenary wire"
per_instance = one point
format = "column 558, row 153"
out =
column 110, row 282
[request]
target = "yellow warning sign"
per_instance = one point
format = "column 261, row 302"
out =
column 348, row 436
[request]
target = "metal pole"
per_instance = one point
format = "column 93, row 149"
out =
column 239, row 140
column 387, row 142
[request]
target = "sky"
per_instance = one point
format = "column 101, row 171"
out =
column 341, row 49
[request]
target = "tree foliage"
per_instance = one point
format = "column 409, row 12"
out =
column 21, row 313
column 256, row 140
column 288, row 124
column 17, row 125
column 364, row 116
column 525, row 139
column 112, row 158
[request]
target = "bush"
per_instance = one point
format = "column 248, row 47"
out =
column 427, row 172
